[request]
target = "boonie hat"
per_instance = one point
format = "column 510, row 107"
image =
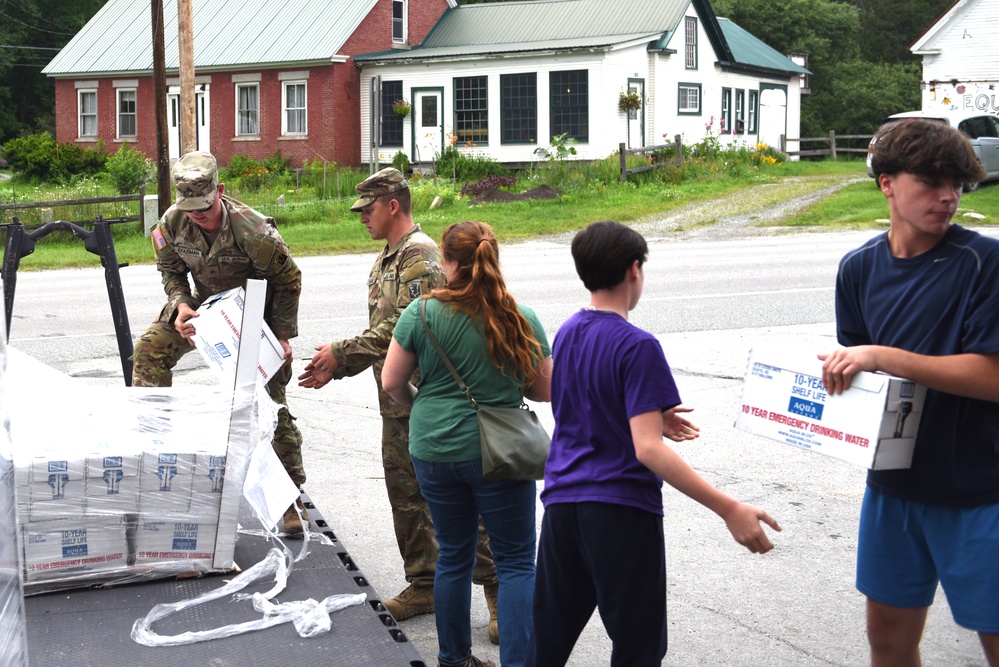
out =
column 196, row 176
column 382, row 183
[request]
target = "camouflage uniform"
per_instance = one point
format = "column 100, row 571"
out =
column 247, row 245
column 400, row 275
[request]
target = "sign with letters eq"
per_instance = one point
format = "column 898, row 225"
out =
column 872, row 424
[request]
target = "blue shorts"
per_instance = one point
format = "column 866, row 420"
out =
column 905, row 548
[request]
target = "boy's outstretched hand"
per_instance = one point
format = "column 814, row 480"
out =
column 743, row 521
column 678, row 428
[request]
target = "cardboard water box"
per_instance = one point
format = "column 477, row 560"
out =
column 217, row 338
column 65, row 548
column 56, row 486
column 872, row 424
column 112, row 483
column 162, row 539
column 165, row 478
column 206, row 487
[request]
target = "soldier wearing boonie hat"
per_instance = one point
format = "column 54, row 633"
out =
column 207, row 243
column 196, row 176
column 379, row 184
column 408, row 268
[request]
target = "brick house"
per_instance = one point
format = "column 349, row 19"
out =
column 266, row 79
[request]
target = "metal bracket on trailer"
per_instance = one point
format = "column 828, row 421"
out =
column 99, row 242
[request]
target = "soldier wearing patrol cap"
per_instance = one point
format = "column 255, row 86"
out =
column 218, row 243
column 408, row 267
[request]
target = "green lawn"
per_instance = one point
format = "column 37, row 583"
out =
column 322, row 227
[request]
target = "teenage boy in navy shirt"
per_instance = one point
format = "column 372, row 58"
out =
column 922, row 302
column 614, row 399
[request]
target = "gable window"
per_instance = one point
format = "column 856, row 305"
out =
column 570, row 104
column 126, row 112
column 519, row 108
column 725, row 121
column 471, row 109
column 754, row 104
column 690, row 42
column 391, row 121
column 399, row 21
column 247, row 109
column 740, row 112
column 295, row 111
column 688, row 98
column 87, row 109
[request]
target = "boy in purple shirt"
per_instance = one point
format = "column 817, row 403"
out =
column 614, row 399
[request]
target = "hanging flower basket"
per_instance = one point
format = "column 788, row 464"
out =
column 629, row 102
column 402, row 107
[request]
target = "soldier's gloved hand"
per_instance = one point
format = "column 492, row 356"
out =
column 182, row 324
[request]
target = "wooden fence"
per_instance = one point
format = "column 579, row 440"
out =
column 139, row 197
column 654, row 163
column 834, row 144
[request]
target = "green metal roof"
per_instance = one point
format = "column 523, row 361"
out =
column 505, row 28
column 541, row 25
column 748, row 50
column 228, row 34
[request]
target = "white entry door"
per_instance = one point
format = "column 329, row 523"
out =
column 636, row 118
column 773, row 116
column 202, row 122
column 428, row 125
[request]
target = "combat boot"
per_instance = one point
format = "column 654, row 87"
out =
column 293, row 527
column 413, row 601
column 492, row 593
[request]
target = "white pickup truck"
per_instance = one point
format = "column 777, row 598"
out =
column 981, row 128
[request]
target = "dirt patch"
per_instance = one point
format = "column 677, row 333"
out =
column 497, row 195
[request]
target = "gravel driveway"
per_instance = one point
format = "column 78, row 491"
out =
column 745, row 212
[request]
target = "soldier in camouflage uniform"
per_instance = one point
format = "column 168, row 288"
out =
column 408, row 267
column 220, row 243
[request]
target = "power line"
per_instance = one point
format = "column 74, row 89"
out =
column 34, row 27
column 24, row 46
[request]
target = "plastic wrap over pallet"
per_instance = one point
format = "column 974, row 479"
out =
column 13, row 637
column 119, row 484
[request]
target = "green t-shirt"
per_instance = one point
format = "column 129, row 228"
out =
column 442, row 426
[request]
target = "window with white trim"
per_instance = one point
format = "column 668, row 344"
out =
column 399, row 21
column 690, row 43
column 86, row 101
column 740, row 112
column 688, row 98
column 725, row 122
column 295, row 116
column 126, row 112
column 754, row 102
column 247, row 109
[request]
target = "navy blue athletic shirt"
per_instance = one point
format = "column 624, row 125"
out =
column 944, row 301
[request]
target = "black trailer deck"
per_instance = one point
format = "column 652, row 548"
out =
column 93, row 626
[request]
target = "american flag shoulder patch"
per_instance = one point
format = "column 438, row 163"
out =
column 158, row 239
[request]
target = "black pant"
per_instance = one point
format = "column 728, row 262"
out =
column 611, row 557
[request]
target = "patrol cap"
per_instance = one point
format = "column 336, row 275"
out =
column 196, row 176
column 382, row 183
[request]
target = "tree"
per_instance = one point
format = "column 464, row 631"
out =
column 31, row 34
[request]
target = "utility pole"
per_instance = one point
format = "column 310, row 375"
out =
column 159, row 97
column 185, row 45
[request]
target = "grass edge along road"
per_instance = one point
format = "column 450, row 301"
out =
column 329, row 227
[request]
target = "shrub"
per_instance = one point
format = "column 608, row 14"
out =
column 39, row 156
column 128, row 170
column 245, row 172
column 455, row 164
column 401, row 162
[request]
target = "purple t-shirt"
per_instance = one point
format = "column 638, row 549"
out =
column 605, row 371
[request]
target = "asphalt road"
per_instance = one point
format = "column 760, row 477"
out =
column 708, row 302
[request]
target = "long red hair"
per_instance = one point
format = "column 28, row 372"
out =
column 478, row 290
